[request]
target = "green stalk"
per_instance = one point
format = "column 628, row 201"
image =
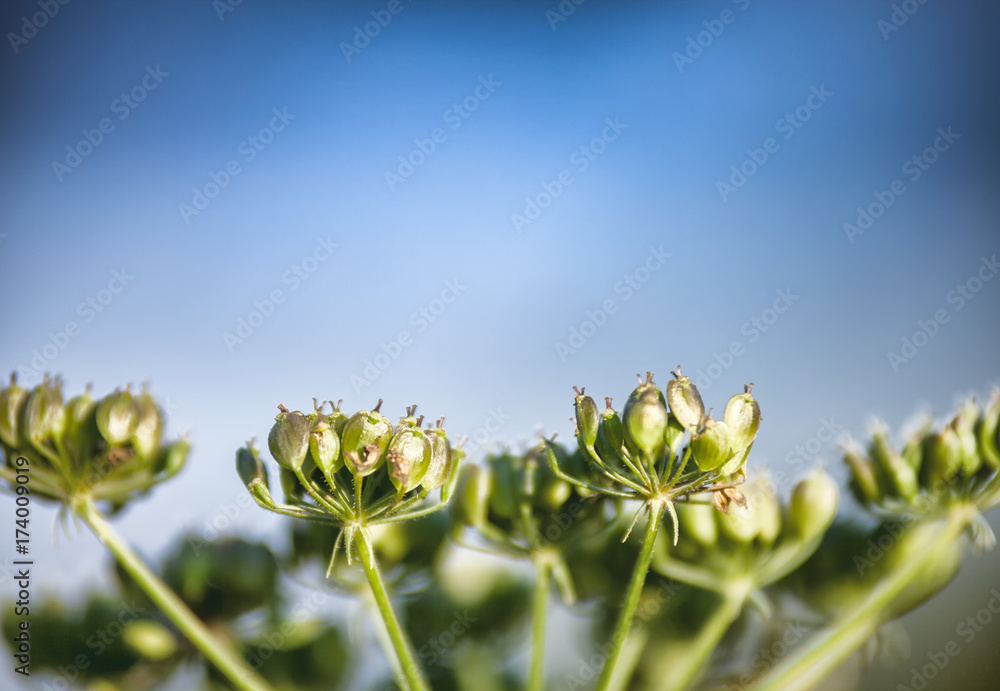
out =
column 539, row 612
column 400, row 643
column 814, row 661
column 697, row 651
column 635, row 644
column 632, row 595
column 226, row 660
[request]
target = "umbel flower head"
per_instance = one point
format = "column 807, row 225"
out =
column 352, row 471
column 662, row 448
column 518, row 505
column 935, row 469
column 754, row 546
column 109, row 449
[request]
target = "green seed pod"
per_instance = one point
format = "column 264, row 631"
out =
column 674, row 434
column 587, row 420
column 82, row 435
column 117, row 417
column 895, row 473
column 913, row 453
column 505, row 496
column 365, row 440
column 685, row 401
column 942, row 458
column 473, row 495
column 288, row 439
column 813, row 506
column 743, row 417
column 249, row 466
column 12, row 400
column 43, row 416
column 149, row 427
column 988, row 433
column 736, row 461
column 698, row 523
column 549, row 492
column 410, row 420
column 645, row 420
column 324, row 445
column 441, row 457
column 737, row 524
column 711, row 447
column 864, row 481
column 409, row 456
column 291, row 486
column 150, row 639
column 964, row 425
column 337, row 419
column 767, row 513
column 173, row 457
column 610, row 443
column 451, row 480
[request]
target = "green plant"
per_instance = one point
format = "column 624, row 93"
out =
column 85, row 453
column 355, row 473
column 668, row 609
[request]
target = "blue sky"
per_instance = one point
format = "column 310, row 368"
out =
column 375, row 188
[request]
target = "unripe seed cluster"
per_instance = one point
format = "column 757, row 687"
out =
column 109, row 449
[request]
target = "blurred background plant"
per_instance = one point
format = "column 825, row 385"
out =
column 87, row 454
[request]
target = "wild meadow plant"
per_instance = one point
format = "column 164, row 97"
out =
column 386, row 507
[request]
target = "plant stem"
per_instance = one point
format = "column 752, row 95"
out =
column 814, row 661
column 225, row 659
column 705, row 642
column 404, row 652
column 539, row 612
column 632, row 595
